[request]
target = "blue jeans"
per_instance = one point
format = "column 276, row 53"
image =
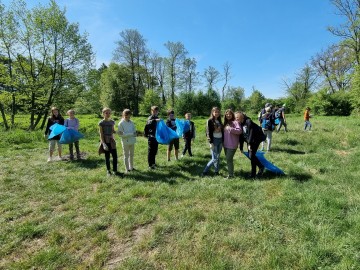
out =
column 215, row 155
column 307, row 124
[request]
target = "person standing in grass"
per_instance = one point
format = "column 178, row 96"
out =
column 307, row 117
column 280, row 114
column 127, row 132
column 170, row 122
column 149, row 132
column 189, row 136
column 232, row 133
column 253, row 135
column 73, row 123
column 267, row 125
column 107, row 142
column 54, row 118
column 215, row 136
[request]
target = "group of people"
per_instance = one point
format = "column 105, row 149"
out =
column 230, row 134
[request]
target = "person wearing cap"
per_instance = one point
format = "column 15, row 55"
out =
column 307, row 116
column 282, row 119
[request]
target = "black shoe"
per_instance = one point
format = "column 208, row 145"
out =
column 116, row 173
column 251, row 177
column 260, row 172
column 203, row 174
column 216, row 173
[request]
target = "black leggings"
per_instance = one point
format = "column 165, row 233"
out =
column 253, row 158
column 113, row 152
column 187, row 146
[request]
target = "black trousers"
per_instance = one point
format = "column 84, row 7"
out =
column 152, row 150
column 254, row 160
column 187, row 146
column 113, row 153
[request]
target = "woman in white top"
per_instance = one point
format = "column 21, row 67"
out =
column 127, row 132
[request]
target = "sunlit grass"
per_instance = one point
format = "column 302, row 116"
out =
column 69, row 215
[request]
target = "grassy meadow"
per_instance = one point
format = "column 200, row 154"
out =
column 70, row 215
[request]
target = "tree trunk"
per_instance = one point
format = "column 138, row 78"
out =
column 4, row 116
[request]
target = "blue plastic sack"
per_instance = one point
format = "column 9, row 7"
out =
column 70, row 136
column 164, row 134
column 277, row 121
column 56, row 129
column 182, row 126
column 267, row 164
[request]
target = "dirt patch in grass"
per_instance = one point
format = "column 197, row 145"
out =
column 342, row 153
column 121, row 249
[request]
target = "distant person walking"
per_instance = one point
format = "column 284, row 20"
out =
column 54, row 118
column 232, row 133
column 253, row 135
column 307, row 117
column 267, row 125
column 280, row 114
column 215, row 136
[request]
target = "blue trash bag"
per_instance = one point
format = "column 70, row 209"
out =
column 70, row 136
column 268, row 165
column 164, row 134
column 277, row 121
column 182, row 126
column 56, row 129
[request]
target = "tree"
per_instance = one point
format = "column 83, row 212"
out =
column 335, row 65
column 212, row 76
column 350, row 30
column 256, row 101
column 190, row 75
column 151, row 98
column 50, row 57
column 131, row 51
column 300, row 90
column 116, row 87
column 227, row 77
column 233, row 98
column 174, row 62
column 158, row 64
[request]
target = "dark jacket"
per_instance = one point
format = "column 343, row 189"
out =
column 210, row 127
column 252, row 133
column 171, row 124
column 51, row 121
column 150, row 127
column 190, row 134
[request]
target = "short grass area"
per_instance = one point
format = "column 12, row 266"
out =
column 70, row 215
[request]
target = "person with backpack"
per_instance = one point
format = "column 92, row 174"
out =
column 267, row 125
column 253, row 135
column 280, row 114
column 262, row 111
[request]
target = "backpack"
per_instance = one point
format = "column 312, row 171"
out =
column 266, row 123
column 278, row 113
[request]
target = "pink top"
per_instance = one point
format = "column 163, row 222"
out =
column 231, row 135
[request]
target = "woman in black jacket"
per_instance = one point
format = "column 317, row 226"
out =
column 253, row 135
column 54, row 118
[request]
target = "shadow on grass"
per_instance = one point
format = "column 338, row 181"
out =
column 90, row 163
column 288, row 151
column 300, row 177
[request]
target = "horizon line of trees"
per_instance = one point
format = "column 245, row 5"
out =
column 46, row 61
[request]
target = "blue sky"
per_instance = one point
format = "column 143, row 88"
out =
column 264, row 41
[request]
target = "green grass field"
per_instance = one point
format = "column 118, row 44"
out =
column 70, row 215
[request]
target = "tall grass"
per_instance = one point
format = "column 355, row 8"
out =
column 69, row 215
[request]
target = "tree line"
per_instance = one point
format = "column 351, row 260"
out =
column 46, row 61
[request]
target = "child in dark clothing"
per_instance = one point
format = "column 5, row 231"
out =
column 189, row 136
column 54, row 118
column 170, row 122
column 149, row 132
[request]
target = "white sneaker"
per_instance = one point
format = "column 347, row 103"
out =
column 49, row 159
